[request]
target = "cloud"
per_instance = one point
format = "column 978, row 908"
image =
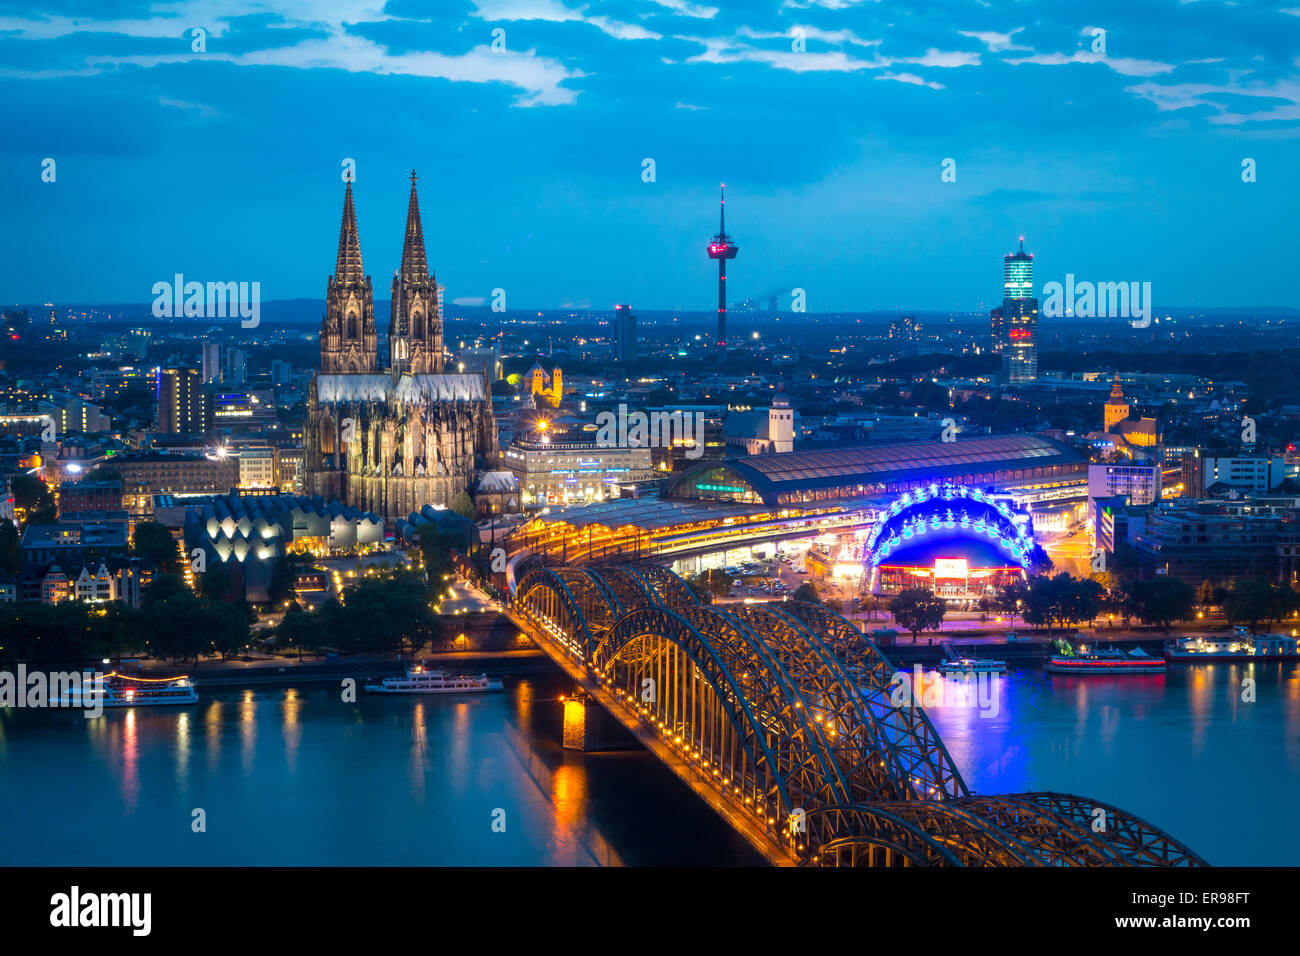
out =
column 687, row 9
column 995, row 42
column 1178, row 96
column 1125, row 66
column 539, row 78
column 911, row 78
column 555, row 12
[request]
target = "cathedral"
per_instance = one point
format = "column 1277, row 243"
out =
column 391, row 438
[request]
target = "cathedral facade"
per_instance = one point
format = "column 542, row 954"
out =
column 391, row 437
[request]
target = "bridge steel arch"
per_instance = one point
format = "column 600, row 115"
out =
column 786, row 709
column 918, row 756
column 703, row 708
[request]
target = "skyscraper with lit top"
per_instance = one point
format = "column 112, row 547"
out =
column 1014, row 327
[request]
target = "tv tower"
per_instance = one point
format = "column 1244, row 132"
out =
column 722, row 248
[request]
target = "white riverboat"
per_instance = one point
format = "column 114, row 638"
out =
column 119, row 690
column 420, row 679
column 972, row 665
column 956, row 663
column 1239, row 645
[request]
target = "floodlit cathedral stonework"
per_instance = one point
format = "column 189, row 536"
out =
column 391, row 439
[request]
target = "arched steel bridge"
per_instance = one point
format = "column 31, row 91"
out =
column 780, row 714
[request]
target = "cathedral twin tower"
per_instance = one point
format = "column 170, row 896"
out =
column 349, row 340
column 391, row 439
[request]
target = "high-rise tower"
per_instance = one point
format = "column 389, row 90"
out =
column 348, row 339
column 722, row 248
column 415, row 329
column 624, row 334
column 1015, row 325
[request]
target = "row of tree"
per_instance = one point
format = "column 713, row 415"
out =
column 1064, row 601
column 378, row 614
column 173, row 624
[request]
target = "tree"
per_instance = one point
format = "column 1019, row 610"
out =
column 153, row 540
column 463, row 505
column 1010, row 598
column 806, row 592
column 1254, row 601
column 1061, row 599
column 32, row 499
column 710, row 584
column 1160, row 600
column 1205, row 593
column 9, row 538
column 214, row 583
column 917, row 609
column 435, row 548
column 296, row 629
column 163, row 587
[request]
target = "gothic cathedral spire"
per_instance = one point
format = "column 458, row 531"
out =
column 349, row 341
column 415, row 330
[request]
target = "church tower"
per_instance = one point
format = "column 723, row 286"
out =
column 415, row 330
column 1116, row 408
column 349, row 341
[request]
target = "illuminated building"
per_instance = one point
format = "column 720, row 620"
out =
column 1139, row 482
column 391, row 440
column 961, row 543
column 1219, row 541
column 1015, row 325
column 1031, row 467
column 547, row 387
column 257, row 467
column 211, row 364
column 250, row 531
column 1243, row 473
column 72, row 413
column 763, row 431
column 181, row 405
column 1116, row 408
column 562, row 472
column 722, row 248
column 145, row 474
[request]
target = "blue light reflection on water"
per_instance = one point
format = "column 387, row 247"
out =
column 1182, row 750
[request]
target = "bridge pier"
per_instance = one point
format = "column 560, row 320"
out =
column 588, row 727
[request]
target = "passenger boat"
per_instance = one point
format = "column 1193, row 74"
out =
column 1106, row 661
column 972, row 665
column 955, row 662
column 420, row 679
column 119, row 690
column 1239, row 645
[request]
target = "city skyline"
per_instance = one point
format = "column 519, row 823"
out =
column 1124, row 165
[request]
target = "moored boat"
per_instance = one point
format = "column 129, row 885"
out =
column 955, row 662
column 972, row 665
column 420, row 679
column 1239, row 645
column 1103, row 661
column 120, row 690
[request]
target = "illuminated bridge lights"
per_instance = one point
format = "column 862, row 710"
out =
column 765, row 746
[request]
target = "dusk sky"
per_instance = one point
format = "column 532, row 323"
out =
column 225, row 165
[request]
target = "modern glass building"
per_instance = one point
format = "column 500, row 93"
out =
column 1015, row 326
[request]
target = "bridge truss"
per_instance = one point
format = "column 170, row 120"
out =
column 785, row 711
